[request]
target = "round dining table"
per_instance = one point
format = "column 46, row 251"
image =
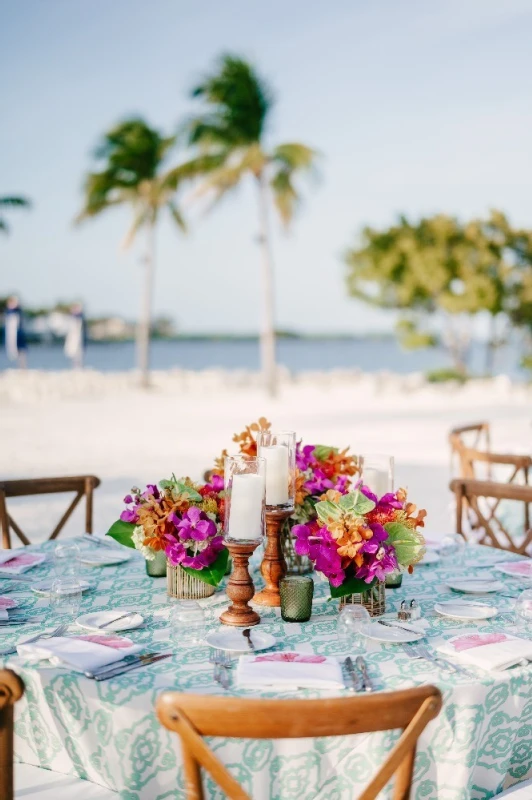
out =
column 107, row 732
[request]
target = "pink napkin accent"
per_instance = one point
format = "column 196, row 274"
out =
column 21, row 563
column 521, row 568
column 290, row 657
column 289, row 670
column 116, row 642
column 491, row 651
column 7, row 602
column 85, row 653
column 461, row 643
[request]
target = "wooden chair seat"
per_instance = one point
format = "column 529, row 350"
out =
column 195, row 716
column 82, row 485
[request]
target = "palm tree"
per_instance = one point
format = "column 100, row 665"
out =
column 230, row 137
column 133, row 175
column 12, row 201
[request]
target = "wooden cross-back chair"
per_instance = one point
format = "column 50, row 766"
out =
column 11, row 690
column 476, row 463
column 469, row 494
column 82, row 485
column 195, row 716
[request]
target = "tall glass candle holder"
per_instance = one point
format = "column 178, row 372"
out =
column 245, row 487
column 377, row 473
column 279, row 452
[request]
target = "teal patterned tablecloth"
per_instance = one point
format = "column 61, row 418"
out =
column 108, row 733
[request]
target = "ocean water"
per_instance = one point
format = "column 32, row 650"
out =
column 298, row 355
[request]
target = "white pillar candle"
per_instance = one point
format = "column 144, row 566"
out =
column 245, row 517
column 377, row 480
column 276, row 474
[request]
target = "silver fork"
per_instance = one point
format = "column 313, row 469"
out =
column 421, row 651
column 59, row 631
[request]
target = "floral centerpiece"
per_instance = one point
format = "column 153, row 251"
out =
column 319, row 468
column 181, row 522
column 358, row 538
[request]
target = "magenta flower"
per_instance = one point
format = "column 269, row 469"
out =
column 216, row 484
column 319, row 484
column 305, row 457
column 196, row 525
column 380, row 564
column 128, row 499
column 342, row 484
column 129, row 515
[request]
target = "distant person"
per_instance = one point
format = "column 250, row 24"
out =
column 75, row 339
column 15, row 336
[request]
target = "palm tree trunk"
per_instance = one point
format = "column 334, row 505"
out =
column 267, row 332
column 144, row 326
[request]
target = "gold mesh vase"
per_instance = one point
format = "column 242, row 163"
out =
column 374, row 599
column 183, row 586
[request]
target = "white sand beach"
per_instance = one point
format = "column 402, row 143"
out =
column 88, row 422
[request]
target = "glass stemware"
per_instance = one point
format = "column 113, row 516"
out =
column 450, row 546
column 187, row 623
column 352, row 622
column 523, row 613
column 66, row 560
column 65, row 599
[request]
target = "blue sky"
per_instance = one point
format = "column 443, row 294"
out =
column 416, row 107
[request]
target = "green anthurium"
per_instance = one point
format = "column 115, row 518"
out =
column 327, row 510
column 323, row 451
column 213, row 574
column 122, row 532
column 362, row 504
column 409, row 544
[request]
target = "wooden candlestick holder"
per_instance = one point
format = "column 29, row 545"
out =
column 273, row 566
column 240, row 588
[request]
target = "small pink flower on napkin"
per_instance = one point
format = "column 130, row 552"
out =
column 303, row 659
column 519, row 568
column 116, row 642
column 7, row 602
column 21, row 561
column 477, row 640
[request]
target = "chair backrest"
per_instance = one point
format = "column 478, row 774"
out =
column 470, row 493
column 11, row 690
column 82, row 485
column 466, row 441
column 194, row 716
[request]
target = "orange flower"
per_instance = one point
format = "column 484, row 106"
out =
column 339, row 464
column 246, row 442
column 300, row 492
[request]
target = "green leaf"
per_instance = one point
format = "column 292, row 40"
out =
column 347, row 502
column 363, row 504
column 351, row 586
column 323, row 451
column 213, row 574
column 409, row 544
column 327, row 510
column 122, row 532
column 191, row 493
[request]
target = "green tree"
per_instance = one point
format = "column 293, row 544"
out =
column 133, row 158
column 230, row 137
column 11, row 201
column 437, row 265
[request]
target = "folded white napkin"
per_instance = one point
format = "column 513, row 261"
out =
column 491, row 651
column 18, row 561
column 84, row 653
column 289, row 670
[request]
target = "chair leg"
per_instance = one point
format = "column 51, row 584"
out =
column 4, row 523
column 88, row 504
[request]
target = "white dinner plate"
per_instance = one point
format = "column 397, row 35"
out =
column 43, row 588
column 465, row 609
column 430, row 557
column 94, row 619
column 234, row 639
column 101, row 558
column 382, row 633
column 517, row 569
column 474, row 585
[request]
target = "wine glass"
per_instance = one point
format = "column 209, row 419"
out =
column 450, row 546
column 66, row 560
column 65, row 599
column 523, row 613
column 187, row 623
column 353, row 620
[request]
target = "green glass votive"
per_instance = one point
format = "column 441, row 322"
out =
column 296, row 597
column 394, row 579
column 156, row 568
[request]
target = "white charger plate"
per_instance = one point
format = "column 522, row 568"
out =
column 474, row 585
column 465, row 609
column 234, row 639
column 430, row 557
column 382, row 633
column 94, row 619
column 103, row 559
column 43, row 588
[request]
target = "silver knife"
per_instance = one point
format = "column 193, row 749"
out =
column 389, row 624
column 356, row 682
column 113, row 673
column 124, row 662
column 366, row 680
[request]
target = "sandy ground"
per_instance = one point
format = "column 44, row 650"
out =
column 87, row 422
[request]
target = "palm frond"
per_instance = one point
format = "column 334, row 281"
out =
column 4, row 227
column 219, row 181
column 295, row 156
column 15, row 201
column 194, row 167
column 140, row 219
column 285, row 196
column 177, row 216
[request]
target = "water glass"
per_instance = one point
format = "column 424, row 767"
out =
column 296, row 598
column 377, row 473
column 353, row 621
column 187, row 623
column 66, row 560
column 523, row 613
column 65, row 599
column 451, row 547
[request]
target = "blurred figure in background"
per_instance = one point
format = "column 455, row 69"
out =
column 15, row 337
column 75, row 339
